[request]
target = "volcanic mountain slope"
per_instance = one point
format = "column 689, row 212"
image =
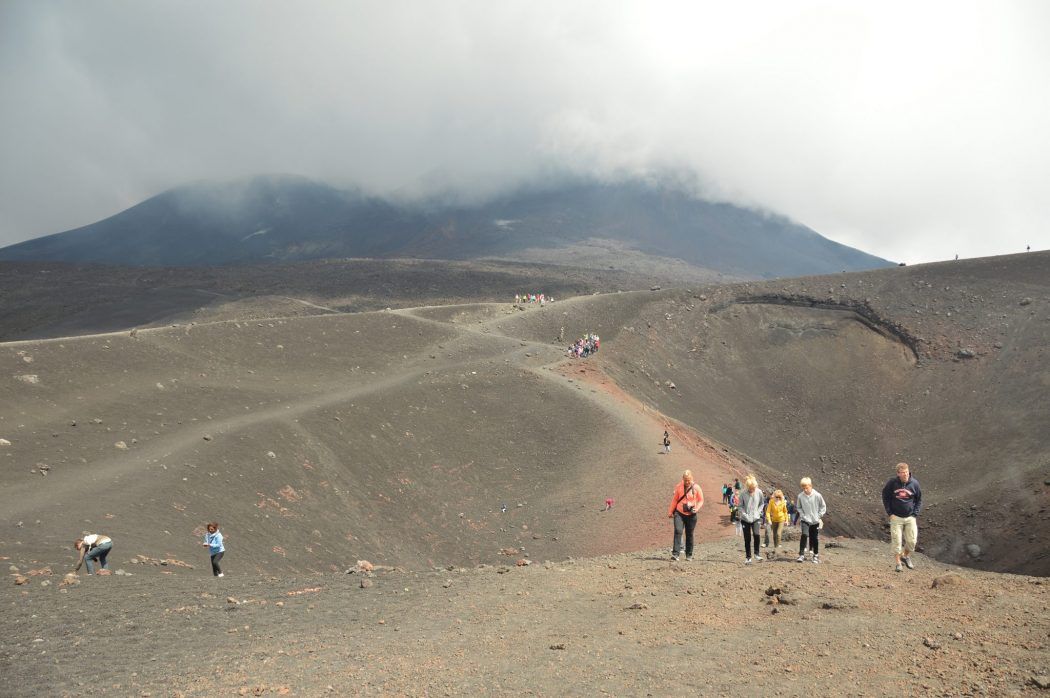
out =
column 315, row 440
column 42, row 300
column 320, row 438
column 635, row 225
column 945, row 366
column 399, row 436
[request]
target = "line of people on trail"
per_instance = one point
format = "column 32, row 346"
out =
column 585, row 346
column 94, row 548
column 540, row 298
column 753, row 512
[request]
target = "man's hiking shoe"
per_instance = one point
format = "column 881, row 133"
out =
column 688, row 558
column 908, row 563
column 899, row 567
column 816, row 559
column 758, row 558
column 747, row 561
column 674, row 558
column 801, row 558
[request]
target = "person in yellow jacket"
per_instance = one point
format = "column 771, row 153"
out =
column 776, row 518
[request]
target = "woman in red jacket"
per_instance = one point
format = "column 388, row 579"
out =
column 687, row 500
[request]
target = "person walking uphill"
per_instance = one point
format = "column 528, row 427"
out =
column 752, row 504
column 776, row 519
column 811, row 510
column 93, row 548
column 902, row 499
column 667, row 442
column 687, row 500
column 213, row 542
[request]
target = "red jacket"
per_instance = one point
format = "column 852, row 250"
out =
column 683, row 501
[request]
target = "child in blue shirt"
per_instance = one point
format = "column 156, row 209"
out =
column 213, row 541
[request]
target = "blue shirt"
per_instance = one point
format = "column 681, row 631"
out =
column 214, row 541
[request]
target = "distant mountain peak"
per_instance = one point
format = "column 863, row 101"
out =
column 290, row 217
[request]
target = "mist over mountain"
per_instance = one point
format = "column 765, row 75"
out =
column 288, row 218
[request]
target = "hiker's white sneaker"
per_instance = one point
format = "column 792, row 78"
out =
column 816, row 559
column 908, row 563
column 758, row 558
column 801, row 558
column 220, row 574
column 899, row 567
column 747, row 561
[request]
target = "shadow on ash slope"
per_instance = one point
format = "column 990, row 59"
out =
column 393, row 436
column 944, row 366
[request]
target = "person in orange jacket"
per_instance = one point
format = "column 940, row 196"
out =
column 776, row 518
column 686, row 502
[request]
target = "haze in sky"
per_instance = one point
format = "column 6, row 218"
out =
column 913, row 131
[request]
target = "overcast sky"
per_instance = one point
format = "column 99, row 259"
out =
column 911, row 130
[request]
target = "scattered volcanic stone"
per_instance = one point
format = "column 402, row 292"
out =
column 366, row 583
column 558, row 646
column 931, row 643
column 207, row 437
column 973, row 550
column 523, row 562
column 4, row 442
column 966, row 354
column 1040, row 681
column 1026, row 301
column 637, row 606
column 120, row 445
column 21, row 579
column 949, row 579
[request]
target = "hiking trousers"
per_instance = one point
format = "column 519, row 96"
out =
column 683, row 524
column 777, row 529
column 906, row 528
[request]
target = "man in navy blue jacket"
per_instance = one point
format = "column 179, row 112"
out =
column 902, row 499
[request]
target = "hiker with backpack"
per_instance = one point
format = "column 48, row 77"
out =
column 687, row 500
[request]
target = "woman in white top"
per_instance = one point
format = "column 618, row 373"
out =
column 93, row 548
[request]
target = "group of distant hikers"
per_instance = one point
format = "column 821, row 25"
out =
column 540, row 298
column 753, row 512
column 93, row 549
column 585, row 346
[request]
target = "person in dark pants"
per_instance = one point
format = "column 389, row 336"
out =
column 811, row 510
column 213, row 542
column 687, row 500
column 93, row 548
column 752, row 511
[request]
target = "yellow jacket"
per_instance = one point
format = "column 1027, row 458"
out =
column 777, row 511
